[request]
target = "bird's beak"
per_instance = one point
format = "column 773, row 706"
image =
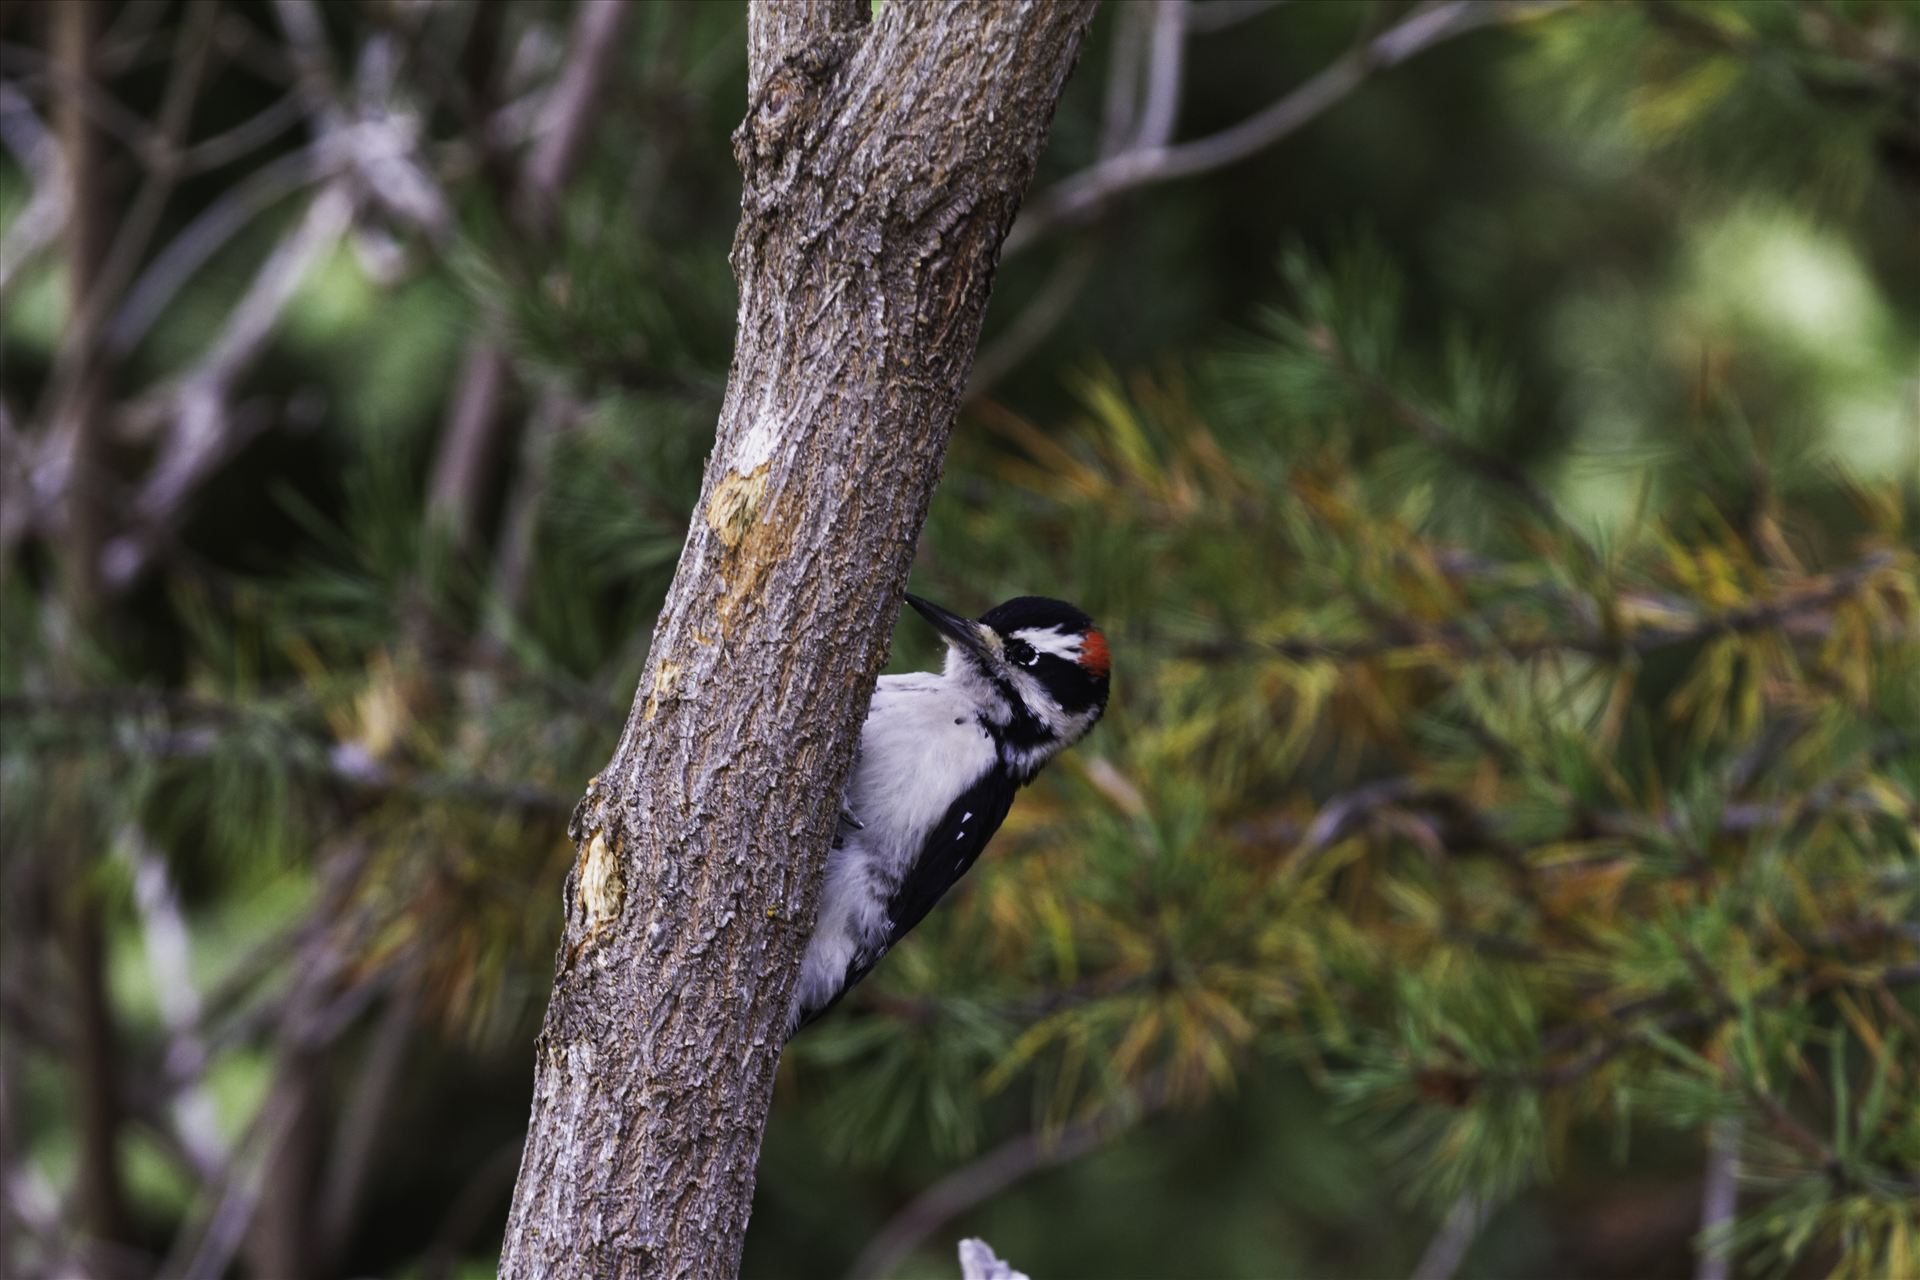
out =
column 962, row 633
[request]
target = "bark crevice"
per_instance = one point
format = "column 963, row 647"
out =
column 882, row 163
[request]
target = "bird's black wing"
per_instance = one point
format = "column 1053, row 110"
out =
column 950, row 849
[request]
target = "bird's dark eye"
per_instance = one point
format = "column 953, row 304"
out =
column 1021, row 653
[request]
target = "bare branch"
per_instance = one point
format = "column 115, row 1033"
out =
column 1166, row 68
column 28, row 68
column 1124, row 70
column 1037, row 322
column 255, row 131
column 210, row 231
column 164, row 938
column 326, row 996
column 364, row 1118
column 75, row 365
column 471, row 440
column 373, row 145
column 129, row 42
column 274, row 285
column 214, row 1247
column 1126, row 123
column 1449, row 1246
column 513, row 559
column 1078, row 199
column 471, row 436
column 377, row 137
column 76, row 391
column 1136, row 154
column 206, row 432
column 1719, row 1199
column 975, row 1183
column 38, row 225
column 306, row 45
column 571, row 105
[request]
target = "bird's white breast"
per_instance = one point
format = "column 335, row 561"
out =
column 920, row 748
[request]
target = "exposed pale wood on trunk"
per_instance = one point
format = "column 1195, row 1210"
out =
column 883, row 164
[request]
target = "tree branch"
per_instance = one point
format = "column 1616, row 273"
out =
column 986, row 1177
column 196, row 728
column 1449, row 1246
column 1166, row 69
column 1800, row 613
column 327, row 994
column 1127, row 122
column 211, row 230
column 82, row 361
column 571, row 105
column 164, row 938
column 38, row 225
column 1080, row 198
column 882, row 165
column 1719, row 1200
column 471, row 441
column 781, row 32
column 206, row 431
column 363, row 1122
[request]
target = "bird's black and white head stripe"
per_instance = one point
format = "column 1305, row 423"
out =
column 941, row 758
column 1038, row 667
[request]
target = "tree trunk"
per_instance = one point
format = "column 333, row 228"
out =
column 883, row 165
column 79, row 415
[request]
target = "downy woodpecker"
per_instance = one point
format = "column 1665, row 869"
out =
column 940, row 758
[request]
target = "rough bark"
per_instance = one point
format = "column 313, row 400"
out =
column 883, row 165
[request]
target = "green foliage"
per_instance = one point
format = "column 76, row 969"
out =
column 1510, row 831
column 1713, row 93
column 1511, row 779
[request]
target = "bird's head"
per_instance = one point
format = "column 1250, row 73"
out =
column 1038, row 668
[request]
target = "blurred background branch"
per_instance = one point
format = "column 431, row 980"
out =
column 1489, row 432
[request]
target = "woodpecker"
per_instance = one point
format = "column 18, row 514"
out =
column 940, row 757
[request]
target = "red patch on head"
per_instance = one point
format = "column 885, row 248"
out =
column 1093, row 653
